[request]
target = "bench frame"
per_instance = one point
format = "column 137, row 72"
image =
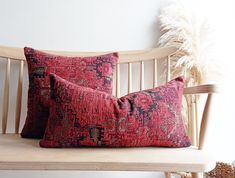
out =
column 197, row 134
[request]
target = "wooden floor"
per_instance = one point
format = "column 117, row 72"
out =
column 25, row 154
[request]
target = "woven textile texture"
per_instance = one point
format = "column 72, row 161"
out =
column 81, row 116
column 222, row 170
column 95, row 72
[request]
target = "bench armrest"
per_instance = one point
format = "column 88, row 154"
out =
column 209, row 88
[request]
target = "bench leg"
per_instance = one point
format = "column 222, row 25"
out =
column 167, row 175
column 197, row 175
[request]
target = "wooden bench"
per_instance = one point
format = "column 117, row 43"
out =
column 17, row 153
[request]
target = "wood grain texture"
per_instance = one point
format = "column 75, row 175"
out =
column 129, row 77
column 193, row 122
column 205, row 122
column 19, row 97
column 210, row 88
column 25, row 154
column 124, row 56
column 154, row 73
column 118, row 80
column 167, row 175
column 189, row 109
column 168, row 74
column 197, row 175
column 142, row 75
column 197, row 121
column 6, row 97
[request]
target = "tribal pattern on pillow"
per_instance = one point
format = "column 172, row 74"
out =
column 95, row 72
column 81, row 116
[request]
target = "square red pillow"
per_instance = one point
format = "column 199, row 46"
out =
column 81, row 116
column 95, row 72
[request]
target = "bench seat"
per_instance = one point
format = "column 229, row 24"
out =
column 17, row 153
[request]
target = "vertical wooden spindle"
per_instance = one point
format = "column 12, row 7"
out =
column 205, row 121
column 167, row 175
column 154, row 73
column 118, row 81
column 197, row 175
column 19, row 97
column 168, row 74
column 129, row 77
column 6, row 97
column 189, row 105
column 141, row 75
column 196, row 119
column 193, row 123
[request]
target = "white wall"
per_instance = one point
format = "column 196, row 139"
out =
column 80, row 24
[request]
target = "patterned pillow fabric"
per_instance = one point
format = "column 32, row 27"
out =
column 81, row 116
column 95, row 72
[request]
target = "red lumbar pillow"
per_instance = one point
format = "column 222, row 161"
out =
column 81, row 116
column 95, row 72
